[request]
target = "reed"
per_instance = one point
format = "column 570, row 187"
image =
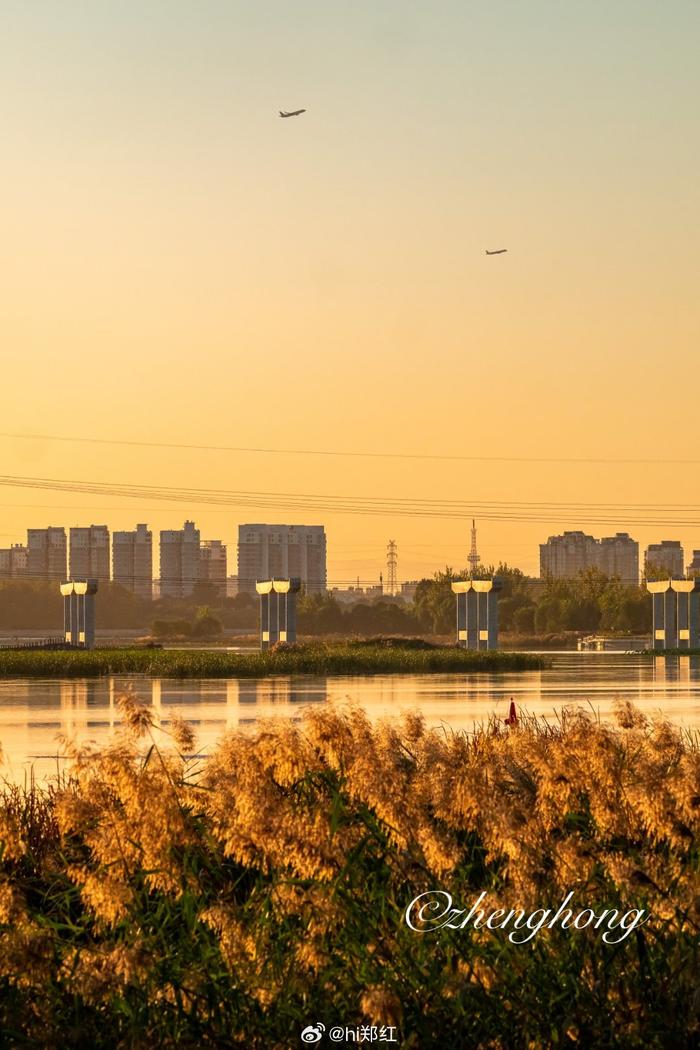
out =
column 325, row 658
column 153, row 900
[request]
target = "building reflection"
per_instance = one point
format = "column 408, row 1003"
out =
column 34, row 712
column 85, row 704
column 281, row 690
column 676, row 669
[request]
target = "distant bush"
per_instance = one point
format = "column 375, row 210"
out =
column 171, row 628
column 206, row 627
column 550, row 640
column 391, row 642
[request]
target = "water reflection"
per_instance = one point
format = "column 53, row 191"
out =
column 34, row 712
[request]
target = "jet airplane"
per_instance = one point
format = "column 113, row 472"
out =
column 293, row 113
column 499, row 251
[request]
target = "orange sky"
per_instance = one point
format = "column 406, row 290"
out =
column 180, row 265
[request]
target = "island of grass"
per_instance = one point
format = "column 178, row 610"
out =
column 670, row 652
column 360, row 657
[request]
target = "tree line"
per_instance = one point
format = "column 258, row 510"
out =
column 590, row 602
column 38, row 605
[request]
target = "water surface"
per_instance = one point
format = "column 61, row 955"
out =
column 34, row 711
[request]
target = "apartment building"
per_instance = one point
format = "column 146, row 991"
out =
column 47, row 554
column 282, row 551
column 132, row 560
column 565, row 556
column 666, row 558
column 212, row 565
column 179, row 561
column 89, row 553
column 13, row 561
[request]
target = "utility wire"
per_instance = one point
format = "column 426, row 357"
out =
column 351, row 454
column 312, row 581
column 662, row 515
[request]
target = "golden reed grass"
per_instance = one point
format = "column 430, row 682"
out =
column 162, row 900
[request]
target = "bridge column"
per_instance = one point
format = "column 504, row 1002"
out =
column 477, row 612
column 79, row 612
column 278, row 613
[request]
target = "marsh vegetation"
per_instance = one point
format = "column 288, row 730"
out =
column 151, row 898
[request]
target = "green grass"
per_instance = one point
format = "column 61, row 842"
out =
column 670, row 652
column 313, row 658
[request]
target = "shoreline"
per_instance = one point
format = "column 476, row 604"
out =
column 324, row 658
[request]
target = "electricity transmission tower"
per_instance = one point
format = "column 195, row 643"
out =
column 391, row 567
column 473, row 558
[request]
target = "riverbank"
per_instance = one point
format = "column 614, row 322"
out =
column 361, row 658
column 155, row 902
column 670, row 652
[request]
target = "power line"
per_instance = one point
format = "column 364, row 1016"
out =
column 643, row 461
column 28, row 575
column 662, row 515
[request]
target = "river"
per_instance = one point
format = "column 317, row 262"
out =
column 34, row 711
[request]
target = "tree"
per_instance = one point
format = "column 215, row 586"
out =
column 524, row 619
column 318, row 613
column 514, row 581
column 435, row 602
column 582, row 614
column 652, row 571
column 171, row 628
column 627, row 609
column 592, row 584
column 240, row 612
column 206, row 625
column 549, row 614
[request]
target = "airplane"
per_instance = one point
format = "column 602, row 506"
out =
column 294, row 113
column 499, row 251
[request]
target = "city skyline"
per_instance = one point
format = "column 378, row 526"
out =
column 320, row 284
column 261, row 551
column 362, row 550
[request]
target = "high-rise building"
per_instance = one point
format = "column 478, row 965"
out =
column 282, row 552
column 13, row 561
column 567, row 555
column 132, row 560
column 46, row 554
column 212, row 565
column 89, row 553
column 665, row 558
column 573, row 552
column 619, row 556
column 179, row 561
column 694, row 566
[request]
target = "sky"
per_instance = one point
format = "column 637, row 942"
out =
column 181, row 266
